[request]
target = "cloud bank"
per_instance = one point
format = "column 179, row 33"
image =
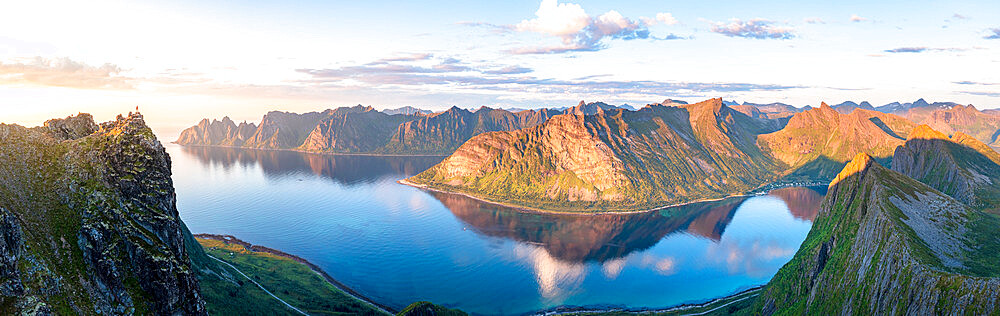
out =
column 995, row 35
column 755, row 29
column 579, row 31
column 63, row 72
column 922, row 49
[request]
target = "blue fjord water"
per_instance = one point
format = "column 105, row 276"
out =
column 397, row 244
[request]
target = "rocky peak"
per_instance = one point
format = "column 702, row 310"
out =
column 856, row 167
column 72, row 127
column 926, row 132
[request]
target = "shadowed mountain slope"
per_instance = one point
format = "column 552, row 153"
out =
column 960, row 166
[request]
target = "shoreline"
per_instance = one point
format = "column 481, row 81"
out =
column 558, row 310
column 735, row 297
column 314, row 152
column 329, row 279
column 528, row 209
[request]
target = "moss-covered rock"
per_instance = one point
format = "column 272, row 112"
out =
column 89, row 221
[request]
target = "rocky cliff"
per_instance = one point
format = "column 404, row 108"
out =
column 884, row 244
column 442, row 133
column 88, row 223
column 960, row 166
column 359, row 129
column 620, row 160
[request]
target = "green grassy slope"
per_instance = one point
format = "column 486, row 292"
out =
column 229, row 293
column 88, row 221
column 884, row 243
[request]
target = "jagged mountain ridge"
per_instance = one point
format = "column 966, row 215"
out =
column 442, row 133
column 884, row 243
column 357, row 129
column 362, row 129
column 656, row 156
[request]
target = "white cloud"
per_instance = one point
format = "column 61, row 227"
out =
column 558, row 19
column 856, row 18
column 666, row 18
column 63, row 72
column 662, row 17
column 755, row 28
column 579, row 31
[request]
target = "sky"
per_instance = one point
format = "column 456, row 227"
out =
column 181, row 61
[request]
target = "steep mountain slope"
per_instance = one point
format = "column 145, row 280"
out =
column 88, row 223
column 622, row 160
column 358, row 129
column 816, row 144
column 960, row 166
column 442, row 133
column 284, row 130
column 884, row 243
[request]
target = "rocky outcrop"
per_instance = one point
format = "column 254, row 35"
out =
column 70, row 128
column 88, row 224
column 614, row 160
column 960, row 166
column 886, row 244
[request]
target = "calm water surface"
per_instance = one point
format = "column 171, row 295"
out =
column 397, row 244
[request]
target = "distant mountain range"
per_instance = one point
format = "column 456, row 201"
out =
column 591, row 159
column 362, row 129
column 601, row 156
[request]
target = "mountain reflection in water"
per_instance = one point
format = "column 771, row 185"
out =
column 398, row 244
column 342, row 169
column 604, row 237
